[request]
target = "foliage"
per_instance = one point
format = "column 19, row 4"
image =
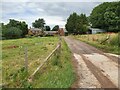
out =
column 47, row 28
column 106, row 16
column 18, row 24
column 14, row 29
column 39, row 23
column 55, row 28
column 12, row 33
column 77, row 23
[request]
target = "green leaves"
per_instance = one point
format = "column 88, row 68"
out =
column 77, row 23
column 12, row 32
column 106, row 16
column 55, row 28
column 39, row 23
column 47, row 28
column 14, row 29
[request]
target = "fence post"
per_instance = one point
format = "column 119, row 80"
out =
column 26, row 59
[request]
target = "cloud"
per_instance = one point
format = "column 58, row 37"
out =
column 54, row 13
column 58, row 0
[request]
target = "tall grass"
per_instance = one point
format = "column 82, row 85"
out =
column 112, row 45
column 115, row 40
column 57, row 73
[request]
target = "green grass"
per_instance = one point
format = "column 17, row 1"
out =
column 110, row 46
column 13, row 58
column 57, row 73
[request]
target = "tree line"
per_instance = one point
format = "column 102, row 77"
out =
column 19, row 29
column 104, row 16
column 14, row 29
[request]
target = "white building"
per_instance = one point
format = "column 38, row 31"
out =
column 95, row 30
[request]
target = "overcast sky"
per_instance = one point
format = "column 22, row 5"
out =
column 54, row 13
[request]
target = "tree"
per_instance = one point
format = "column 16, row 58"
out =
column 77, row 23
column 71, row 22
column 12, row 33
column 55, row 28
column 38, row 23
column 18, row 24
column 106, row 16
column 14, row 29
column 47, row 28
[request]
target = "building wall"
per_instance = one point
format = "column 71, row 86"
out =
column 97, row 31
column 61, row 32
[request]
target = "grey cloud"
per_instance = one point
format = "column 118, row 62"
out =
column 65, row 8
column 50, row 9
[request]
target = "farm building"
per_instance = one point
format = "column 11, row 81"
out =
column 95, row 31
column 39, row 32
column 62, row 32
column 35, row 31
column 51, row 33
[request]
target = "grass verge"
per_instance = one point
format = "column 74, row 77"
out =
column 57, row 72
column 111, row 46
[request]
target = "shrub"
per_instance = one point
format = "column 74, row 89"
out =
column 12, row 33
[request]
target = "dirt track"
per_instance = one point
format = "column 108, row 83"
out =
column 94, row 68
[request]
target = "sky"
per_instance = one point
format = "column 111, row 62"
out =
column 54, row 12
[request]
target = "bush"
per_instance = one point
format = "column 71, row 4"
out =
column 12, row 33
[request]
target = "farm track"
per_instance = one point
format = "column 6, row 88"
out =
column 102, row 68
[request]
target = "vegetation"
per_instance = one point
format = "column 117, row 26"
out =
column 39, row 23
column 57, row 72
column 111, row 45
column 55, row 28
column 106, row 16
column 13, row 56
column 47, row 28
column 77, row 24
column 14, row 29
column 12, row 33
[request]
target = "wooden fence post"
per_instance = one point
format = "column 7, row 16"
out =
column 26, row 59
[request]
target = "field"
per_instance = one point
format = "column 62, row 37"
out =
column 58, row 73
column 35, row 50
column 99, row 40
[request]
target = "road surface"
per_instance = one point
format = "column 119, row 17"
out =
column 94, row 68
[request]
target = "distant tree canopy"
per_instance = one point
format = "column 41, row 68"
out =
column 47, row 28
column 55, row 28
column 39, row 23
column 77, row 24
column 14, row 29
column 106, row 16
